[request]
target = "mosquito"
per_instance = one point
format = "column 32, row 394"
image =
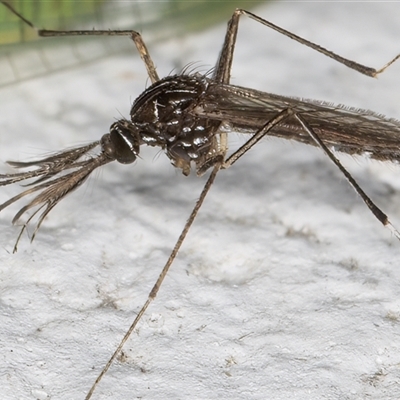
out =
column 189, row 116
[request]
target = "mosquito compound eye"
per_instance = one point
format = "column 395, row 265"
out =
column 121, row 143
column 106, row 146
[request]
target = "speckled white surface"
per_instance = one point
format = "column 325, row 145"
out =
column 286, row 287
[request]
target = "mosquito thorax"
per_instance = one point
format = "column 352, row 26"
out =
column 122, row 143
column 163, row 113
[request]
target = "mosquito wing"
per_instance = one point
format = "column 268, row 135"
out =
column 341, row 128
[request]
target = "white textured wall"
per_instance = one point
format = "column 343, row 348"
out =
column 286, row 288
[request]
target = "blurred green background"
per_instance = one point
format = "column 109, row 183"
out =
column 67, row 14
column 24, row 55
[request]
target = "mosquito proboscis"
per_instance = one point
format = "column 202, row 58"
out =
column 187, row 116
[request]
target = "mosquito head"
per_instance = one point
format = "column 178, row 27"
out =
column 122, row 143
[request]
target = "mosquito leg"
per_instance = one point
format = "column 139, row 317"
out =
column 223, row 68
column 257, row 137
column 153, row 293
column 135, row 36
column 379, row 214
column 224, row 64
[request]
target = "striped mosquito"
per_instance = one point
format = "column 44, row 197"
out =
column 189, row 116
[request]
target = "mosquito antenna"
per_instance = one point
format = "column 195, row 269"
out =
column 51, row 185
